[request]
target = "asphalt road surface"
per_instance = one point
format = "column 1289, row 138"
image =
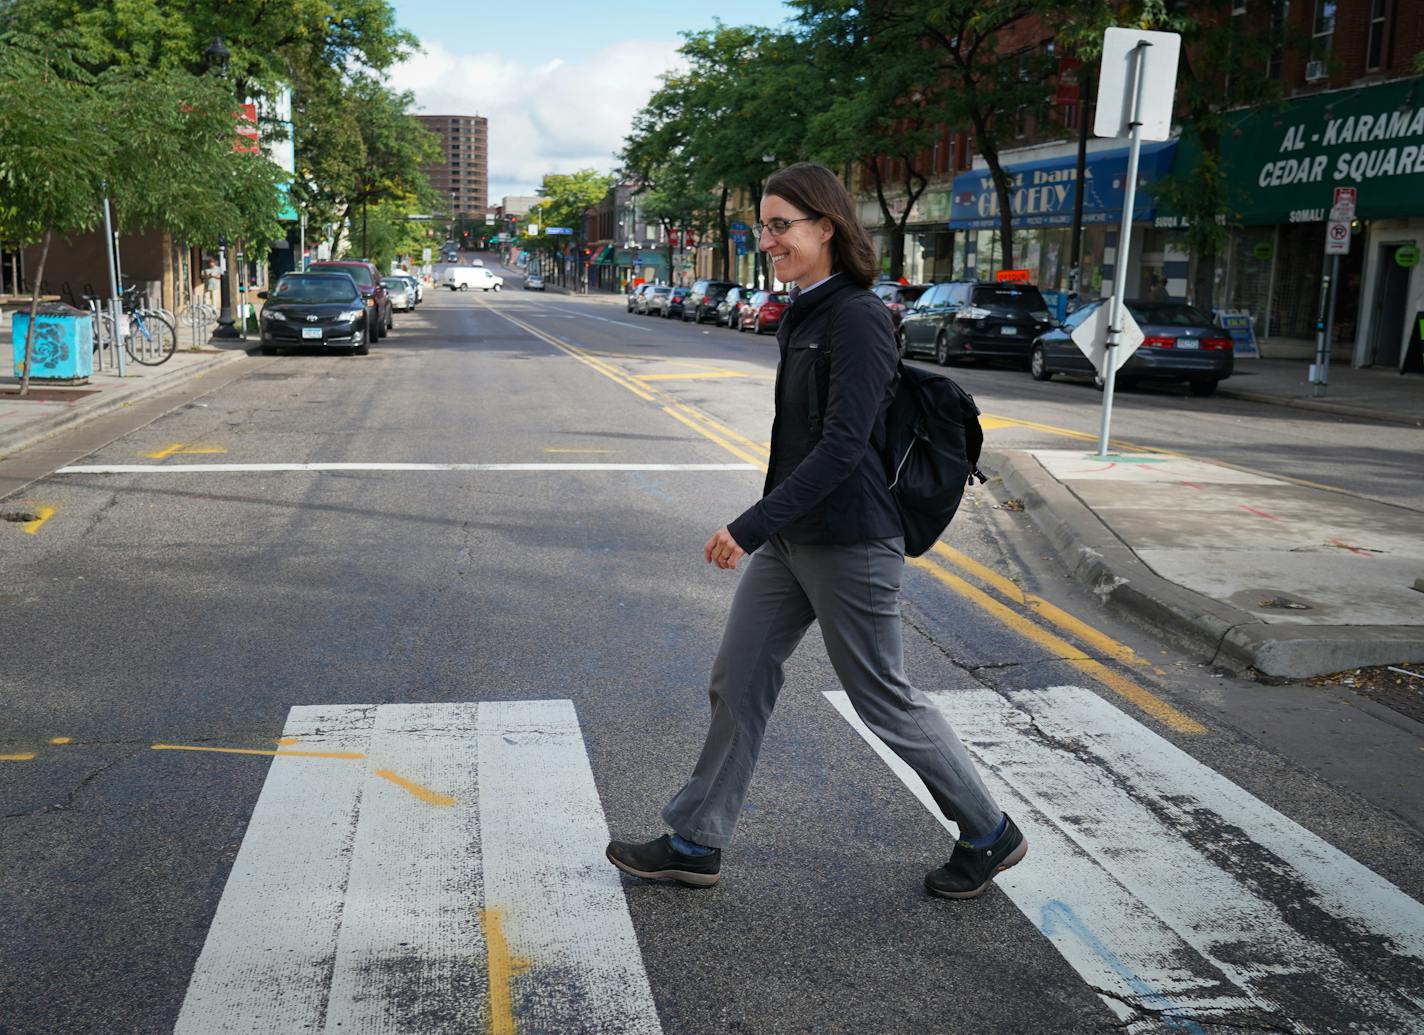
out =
column 321, row 700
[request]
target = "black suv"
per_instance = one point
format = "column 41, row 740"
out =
column 701, row 302
column 965, row 319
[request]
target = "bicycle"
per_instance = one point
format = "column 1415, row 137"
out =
column 151, row 337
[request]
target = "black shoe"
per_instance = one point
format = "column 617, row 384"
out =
column 653, row 860
column 970, row 869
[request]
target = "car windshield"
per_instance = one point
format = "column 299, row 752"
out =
column 1168, row 314
column 1010, row 296
column 315, row 289
column 662, row 290
column 778, row 296
column 395, row 282
column 360, row 274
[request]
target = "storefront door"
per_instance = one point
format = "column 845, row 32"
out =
column 1388, row 324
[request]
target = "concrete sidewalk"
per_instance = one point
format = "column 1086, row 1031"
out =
column 50, row 410
column 1258, row 572
column 1372, row 392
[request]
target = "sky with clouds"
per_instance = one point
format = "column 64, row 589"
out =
column 559, row 81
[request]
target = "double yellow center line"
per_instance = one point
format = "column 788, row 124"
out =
column 951, row 568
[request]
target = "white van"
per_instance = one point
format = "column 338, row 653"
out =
column 462, row 278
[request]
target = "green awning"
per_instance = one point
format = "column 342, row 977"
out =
column 1283, row 161
column 604, row 257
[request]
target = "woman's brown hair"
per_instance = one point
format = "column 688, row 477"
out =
column 815, row 190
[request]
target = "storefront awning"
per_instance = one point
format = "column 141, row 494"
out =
column 1043, row 191
column 604, row 256
column 1284, row 161
column 641, row 257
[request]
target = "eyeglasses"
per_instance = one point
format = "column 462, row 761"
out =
column 779, row 226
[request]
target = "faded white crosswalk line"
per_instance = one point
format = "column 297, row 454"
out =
column 1178, row 895
column 450, row 881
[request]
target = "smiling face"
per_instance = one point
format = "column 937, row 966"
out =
column 803, row 253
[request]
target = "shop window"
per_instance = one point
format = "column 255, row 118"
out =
column 1322, row 38
column 1297, row 282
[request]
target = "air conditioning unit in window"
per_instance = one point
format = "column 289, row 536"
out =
column 1316, row 70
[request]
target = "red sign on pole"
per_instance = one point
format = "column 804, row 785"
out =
column 1012, row 276
column 1069, row 89
column 248, row 135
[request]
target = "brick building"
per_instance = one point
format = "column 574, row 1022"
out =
column 463, row 176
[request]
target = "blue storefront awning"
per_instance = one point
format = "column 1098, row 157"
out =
column 1043, row 191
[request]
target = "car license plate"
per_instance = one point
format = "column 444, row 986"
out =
column 1188, row 343
column 311, row 332
column 1013, row 331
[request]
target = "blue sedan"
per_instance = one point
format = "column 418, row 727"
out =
column 1179, row 344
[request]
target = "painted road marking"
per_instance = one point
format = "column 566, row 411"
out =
column 689, row 376
column 42, row 514
column 184, row 448
column 1061, row 649
column 263, row 468
column 355, row 906
column 1168, row 887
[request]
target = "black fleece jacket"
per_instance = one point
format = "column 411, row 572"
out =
column 826, row 483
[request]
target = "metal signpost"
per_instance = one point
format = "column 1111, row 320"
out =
column 1337, row 243
column 1136, row 88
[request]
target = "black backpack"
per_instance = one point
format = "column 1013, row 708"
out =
column 932, row 445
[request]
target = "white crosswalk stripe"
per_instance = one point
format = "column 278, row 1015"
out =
column 450, row 880
column 1175, row 893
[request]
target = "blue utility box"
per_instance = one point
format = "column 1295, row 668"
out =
column 63, row 352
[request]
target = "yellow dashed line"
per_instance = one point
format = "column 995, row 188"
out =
column 688, row 377
column 184, row 448
column 60, row 740
column 707, row 433
column 258, row 751
column 29, row 757
column 42, row 514
column 164, row 453
column 424, row 794
column 502, row 969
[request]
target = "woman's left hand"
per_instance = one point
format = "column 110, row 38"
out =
column 722, row 550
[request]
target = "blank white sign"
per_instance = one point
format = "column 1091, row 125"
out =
column 1159, row 83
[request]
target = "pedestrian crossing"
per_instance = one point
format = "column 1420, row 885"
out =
column 357, row 905
column 1179, row 896
column 438, row 868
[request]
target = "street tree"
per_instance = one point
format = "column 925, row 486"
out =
column 881, row 103
column 567, row 197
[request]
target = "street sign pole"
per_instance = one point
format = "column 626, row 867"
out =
column 1117, row 304
column 1337, row 243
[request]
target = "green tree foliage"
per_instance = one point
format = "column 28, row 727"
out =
column 880, row 107
column 159, row 145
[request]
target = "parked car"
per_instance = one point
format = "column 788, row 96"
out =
column 702, row 301
column 368, row 281
column 650, row 303
column 729, row 309
column 533, row 282
column 401, row 293
column 462, row 278
column 416, row 285
column 969, row 320
column 1179, row 343
column 326, row 310
column 763, row 311
column 672, row 306
column 635, row 294
column 898, row 298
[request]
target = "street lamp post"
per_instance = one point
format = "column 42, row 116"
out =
column 216, row 58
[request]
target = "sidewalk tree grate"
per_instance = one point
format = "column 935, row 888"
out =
column 50, row 394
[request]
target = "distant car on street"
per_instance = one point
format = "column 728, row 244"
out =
column 729, row 309
column 965, row 319
column 763, row 311
column 401, row 293
column 673, row 305
column 416, row 285
column 326, row 310
column 650, row 303
column 1180, row 343
column 533, row 282
column 636, row 294
column 898, row 298
column 702, row 301
column 462, row 278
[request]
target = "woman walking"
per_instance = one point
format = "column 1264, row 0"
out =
column 824, row 544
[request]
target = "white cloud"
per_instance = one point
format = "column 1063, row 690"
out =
column 546, row 114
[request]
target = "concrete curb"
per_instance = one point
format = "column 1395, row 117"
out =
column 1100, row 561
column 1317, row 406
column 23, row 438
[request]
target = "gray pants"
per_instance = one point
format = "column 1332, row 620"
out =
column 854, row 592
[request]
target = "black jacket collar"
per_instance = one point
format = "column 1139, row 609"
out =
column 809, row 302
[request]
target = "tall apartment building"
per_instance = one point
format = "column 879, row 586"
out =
column 463, row 177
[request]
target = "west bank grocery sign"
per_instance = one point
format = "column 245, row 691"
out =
column 1283, row 162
